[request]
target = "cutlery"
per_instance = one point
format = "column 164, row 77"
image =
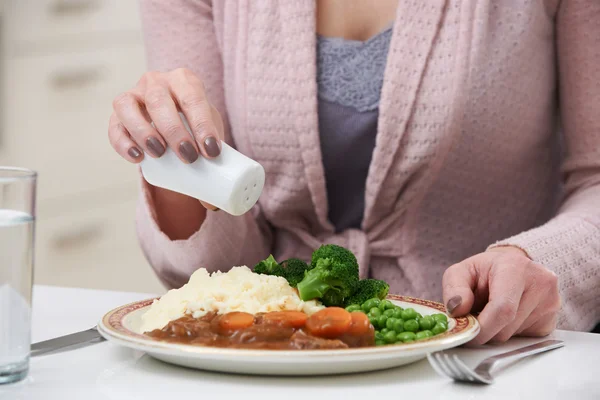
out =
column 67, row 342
column 453, row 367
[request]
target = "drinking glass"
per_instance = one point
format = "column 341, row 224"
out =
column 17, row 220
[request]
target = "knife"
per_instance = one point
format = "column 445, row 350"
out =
column 67, row 342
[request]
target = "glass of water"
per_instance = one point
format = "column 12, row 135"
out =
column 17, row 218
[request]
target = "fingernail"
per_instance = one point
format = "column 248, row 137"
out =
column 188, row 152
column 211, row 146
column 155, row 146
column 453, row 303
column 134, row 152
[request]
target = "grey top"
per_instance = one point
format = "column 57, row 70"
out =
column 350, row 77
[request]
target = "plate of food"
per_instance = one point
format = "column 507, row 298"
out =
column 288, row 318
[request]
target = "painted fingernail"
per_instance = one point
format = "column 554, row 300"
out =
column 188, row 152
column 453, row 303
column 155, row 146
column 211, row 146
column 134, row 152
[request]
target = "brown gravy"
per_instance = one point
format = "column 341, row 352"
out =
column 259, row 332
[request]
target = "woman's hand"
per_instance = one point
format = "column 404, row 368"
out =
column 516, row 296
column 158, row 97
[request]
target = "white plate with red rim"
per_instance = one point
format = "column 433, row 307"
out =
column 121, row 326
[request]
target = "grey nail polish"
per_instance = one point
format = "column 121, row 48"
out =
column 134, row 152
column 453, row 303
column 188, row 152
column 211, row 146
column 155, row 146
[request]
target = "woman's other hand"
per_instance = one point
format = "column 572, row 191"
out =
column 515, row 295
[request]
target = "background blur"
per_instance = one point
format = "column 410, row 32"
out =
column 63, row 61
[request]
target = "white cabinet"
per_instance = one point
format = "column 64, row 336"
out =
column 57, row 110
column 94, row 248
column 34, row 22
column 63, row 62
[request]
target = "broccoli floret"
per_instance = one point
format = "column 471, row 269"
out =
column 337, row 253
column 368, row 289
column 269, row 267
column 333, row 277
column 294, row 270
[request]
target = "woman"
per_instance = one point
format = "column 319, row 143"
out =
column 423, row 136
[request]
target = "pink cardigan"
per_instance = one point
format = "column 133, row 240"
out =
column 466, row 153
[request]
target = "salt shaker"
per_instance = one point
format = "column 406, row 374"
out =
column 231, row 181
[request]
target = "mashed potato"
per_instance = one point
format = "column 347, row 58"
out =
column 237, row 290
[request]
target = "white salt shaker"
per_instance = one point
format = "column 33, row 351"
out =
column 231, row 181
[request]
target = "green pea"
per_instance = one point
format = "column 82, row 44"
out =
column 390, row 337
column 411, row 325
column 424, row 334
column 405, row 336
column 376, row 312
column 399, row 326
column 390, row 323
column 409, row 313
column 367, row 305
column 419, row 316
column 388, row 313
column 439, row 327
column 384, row 331
column 386, row 305
column 440, row 318
column 374, row 321
column 378, row 336
column 380, row 343
column 426, row 323
column 353, row 307
column 381, row 320
column 409, row 341
column 397, row 313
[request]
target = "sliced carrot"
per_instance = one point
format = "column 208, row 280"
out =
column 360, row 324
column 235, row 321
column 330, row 322
column 293, row 319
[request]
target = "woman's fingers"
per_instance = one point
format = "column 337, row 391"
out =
column 163, row 111
column 542, row 326
column 132, row 115
column 529, row 302
column 458, row 284
column 121, row 141
column 544, row 316
column 188, row 92
column 506, row 283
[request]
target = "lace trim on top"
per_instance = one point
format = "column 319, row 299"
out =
column 351, row 72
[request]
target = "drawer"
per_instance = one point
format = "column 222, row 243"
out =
column 93, row 248
column 56, row 118
column 47, row 20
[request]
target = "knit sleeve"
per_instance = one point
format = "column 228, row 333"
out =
column 569, row 244
column 181, row 34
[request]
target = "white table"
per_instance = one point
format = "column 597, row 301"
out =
column 105, row 371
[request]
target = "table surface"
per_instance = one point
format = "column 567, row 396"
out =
column 106, row 371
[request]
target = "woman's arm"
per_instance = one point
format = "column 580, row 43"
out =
column 176, row 233
column 569, row 244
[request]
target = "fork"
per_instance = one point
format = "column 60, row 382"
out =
column 453, row 367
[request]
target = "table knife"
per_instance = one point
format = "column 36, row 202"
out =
column 67, row 342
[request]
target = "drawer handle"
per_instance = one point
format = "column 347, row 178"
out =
column 76, row 78
column 77, row 239
column 70, row 7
